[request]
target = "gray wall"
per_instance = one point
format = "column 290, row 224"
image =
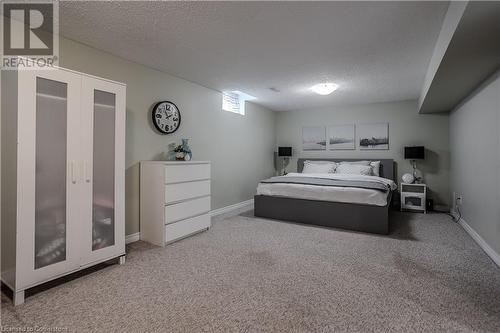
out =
column 406, row 127
column 475, row 159
column 450, row 23
column 240, row 147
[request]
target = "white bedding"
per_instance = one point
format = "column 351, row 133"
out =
column 329, row 193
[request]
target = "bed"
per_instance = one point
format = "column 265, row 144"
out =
column 339, row 203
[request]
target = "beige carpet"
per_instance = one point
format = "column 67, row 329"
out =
column 256, row 275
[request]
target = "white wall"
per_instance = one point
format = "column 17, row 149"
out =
column 240, row 147
column 475, row 159
column 406, row 127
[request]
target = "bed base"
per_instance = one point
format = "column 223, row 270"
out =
column 357, row 217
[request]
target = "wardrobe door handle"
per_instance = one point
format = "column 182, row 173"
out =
column 73, row 172
column 87, row 174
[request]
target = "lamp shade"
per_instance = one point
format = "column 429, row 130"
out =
column 285, row 151
column 415, row 153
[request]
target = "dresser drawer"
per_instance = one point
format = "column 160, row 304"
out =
column 183, row 210
column 410, row 188
column 186, row 227
column 186, row 173
column 183, row 191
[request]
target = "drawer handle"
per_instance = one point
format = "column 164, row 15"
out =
column 73, row 172
column 86, row 171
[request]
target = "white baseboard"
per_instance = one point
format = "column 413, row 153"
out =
column 132, row 238
column 480, row 241
column 249, row 203
column 228, row 209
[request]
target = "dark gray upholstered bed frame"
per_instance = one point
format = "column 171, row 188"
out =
column 351, row 216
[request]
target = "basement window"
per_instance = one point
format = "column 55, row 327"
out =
column 234, row 101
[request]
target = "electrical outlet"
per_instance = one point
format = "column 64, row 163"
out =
column 457, row 199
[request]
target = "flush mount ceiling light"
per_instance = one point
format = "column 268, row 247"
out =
column 324, row 88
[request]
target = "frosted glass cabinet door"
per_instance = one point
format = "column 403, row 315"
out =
column 103, row 114
column 49, row 114
column 103, row 170
column 50, row 177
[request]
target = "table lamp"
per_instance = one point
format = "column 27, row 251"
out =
column 285, row 153
column 415, row 153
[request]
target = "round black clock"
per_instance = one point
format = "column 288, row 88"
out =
column 166, row 117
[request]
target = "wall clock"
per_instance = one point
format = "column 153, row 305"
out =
column 166, row 117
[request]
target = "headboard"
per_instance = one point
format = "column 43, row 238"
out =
column 386, row 165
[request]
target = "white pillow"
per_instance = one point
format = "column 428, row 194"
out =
column 374, row 164
column 354, row 169
column 356, row 162
column 375, row 168
column 319, row 167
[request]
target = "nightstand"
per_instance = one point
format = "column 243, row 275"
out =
column 413, row 197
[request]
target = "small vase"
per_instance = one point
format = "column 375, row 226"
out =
column 179, row 156
column 188, row 154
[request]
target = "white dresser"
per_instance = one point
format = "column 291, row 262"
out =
column 175, row 200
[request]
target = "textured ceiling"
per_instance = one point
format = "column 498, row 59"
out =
column 375, row 51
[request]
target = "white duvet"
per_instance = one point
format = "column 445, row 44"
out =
column 330, row 193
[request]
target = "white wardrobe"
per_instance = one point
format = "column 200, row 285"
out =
column 63, row 169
